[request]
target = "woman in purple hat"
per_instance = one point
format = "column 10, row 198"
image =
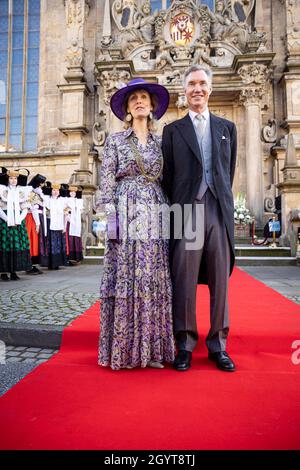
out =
column 136, row 295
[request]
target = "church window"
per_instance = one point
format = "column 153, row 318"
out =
column 19, row 74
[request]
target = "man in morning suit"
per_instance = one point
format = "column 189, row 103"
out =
column 199, row 162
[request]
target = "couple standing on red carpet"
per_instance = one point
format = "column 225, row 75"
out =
column 149, row 283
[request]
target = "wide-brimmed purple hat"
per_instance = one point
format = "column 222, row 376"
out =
column 118, row 99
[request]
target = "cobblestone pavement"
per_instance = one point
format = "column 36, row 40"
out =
column 17, row 361
column 25, row 355
column 47, row 308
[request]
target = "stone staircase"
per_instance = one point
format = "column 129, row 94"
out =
column 93, row 255
column 246, row 255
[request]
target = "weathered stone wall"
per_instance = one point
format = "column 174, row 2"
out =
column 83, row 55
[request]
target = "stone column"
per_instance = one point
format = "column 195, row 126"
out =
column 75, row 92
column 254, row 78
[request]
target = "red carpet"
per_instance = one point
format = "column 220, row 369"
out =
column 70, row 402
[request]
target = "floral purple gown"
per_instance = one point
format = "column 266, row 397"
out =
column 136, row 293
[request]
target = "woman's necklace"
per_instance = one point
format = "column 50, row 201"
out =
column 140, row 164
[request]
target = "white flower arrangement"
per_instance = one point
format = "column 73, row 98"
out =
column 242, row 215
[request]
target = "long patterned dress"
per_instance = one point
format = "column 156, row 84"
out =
column 136, row 293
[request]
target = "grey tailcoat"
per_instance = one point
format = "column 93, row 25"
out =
column 182, row 172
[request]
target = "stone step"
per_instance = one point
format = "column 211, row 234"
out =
column 264, row 251
column 94, row 251
column 240, row 260
column 246, row 255
column 266, row 261
column 247, row 240
column 92, row 260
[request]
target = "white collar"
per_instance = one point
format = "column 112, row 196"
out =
column 193, row 114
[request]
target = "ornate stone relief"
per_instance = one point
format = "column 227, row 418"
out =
column 76, row 12
column 255, row 78
column 99, row 134
column 111, row 80
column 225, row 26
column 269, row 132
column 172, row 78
column 269, row 200
column 293, row 27
column 254, row 74
column 136, row 26
column 186, row 32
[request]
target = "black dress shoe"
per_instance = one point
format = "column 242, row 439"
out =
column 14, row 277
column 4, row 277
column 34, row 270
column 222, row 361
column 183, row 360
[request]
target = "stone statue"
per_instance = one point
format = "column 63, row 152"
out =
column 164, row 58
column 221, row 20
column 147, row 22
column 223, row 26
column 201, row 53
column 140, row 30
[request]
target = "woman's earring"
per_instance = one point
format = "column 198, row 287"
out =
column 151, row 115
column 128, row 117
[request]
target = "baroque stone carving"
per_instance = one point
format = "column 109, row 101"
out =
column 256, row 42
column 293, row 27
column 182, row 102
column 136, row 26
column 99, row 135
column 124, row 13
column 242, row 9
column 76, row 12
column 183, row 33
column 173, row 78
column 225, row 28
column 251, row 95
column 201, row 54
column 269, row 204
column 255, row 77
column 269, row 132
column 254, row 74
column 112, row 80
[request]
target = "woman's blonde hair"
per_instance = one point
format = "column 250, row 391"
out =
column 152, row 126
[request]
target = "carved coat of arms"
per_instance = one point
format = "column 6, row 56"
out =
column 182, row 29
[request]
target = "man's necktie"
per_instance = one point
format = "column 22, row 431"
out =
column 200, row 125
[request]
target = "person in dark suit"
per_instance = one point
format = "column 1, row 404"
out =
column 199, row 163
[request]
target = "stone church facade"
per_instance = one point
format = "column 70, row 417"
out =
column 89, row 48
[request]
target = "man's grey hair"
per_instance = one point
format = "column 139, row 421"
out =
column 197, row 68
